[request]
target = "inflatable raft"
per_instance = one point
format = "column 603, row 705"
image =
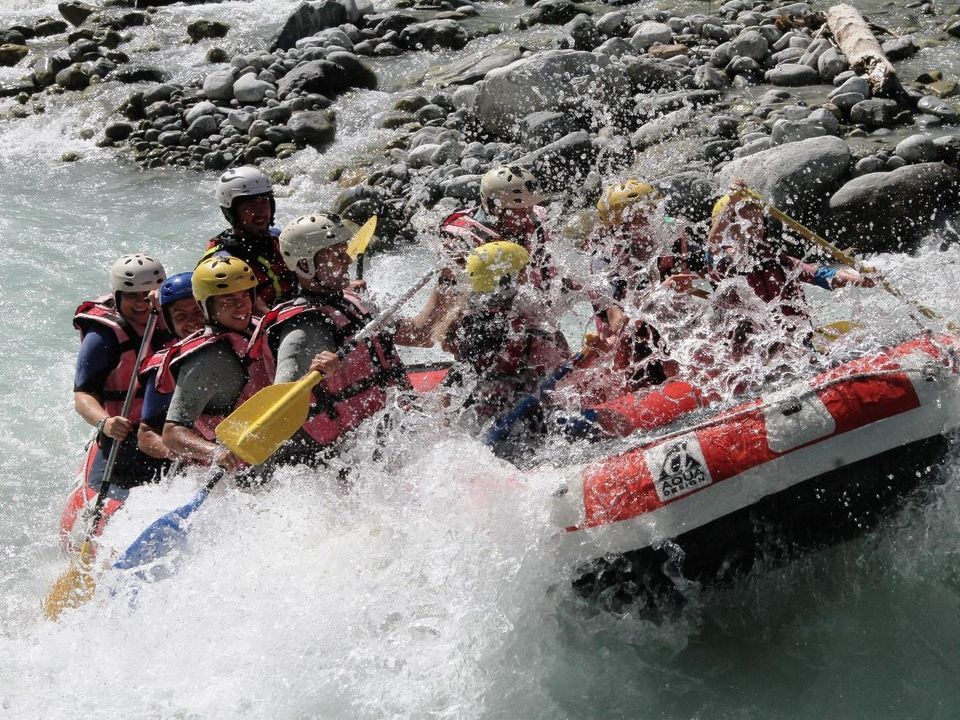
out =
column 812, row 464
column 80, row 500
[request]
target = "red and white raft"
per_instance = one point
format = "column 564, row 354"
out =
column 816, row 462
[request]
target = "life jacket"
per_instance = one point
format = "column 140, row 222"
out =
column 499, row 344
column 470, row 232
column 357, row 391
column 771, row 282
column 256, row 377
column 151, row 364
column 103, row 312
column 276, row 282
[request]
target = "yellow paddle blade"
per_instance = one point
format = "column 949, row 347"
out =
column 359, row 242
column 837, row 329
column 263, row 423
column 75, row 587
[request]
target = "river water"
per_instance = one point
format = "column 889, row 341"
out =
column 431, row 590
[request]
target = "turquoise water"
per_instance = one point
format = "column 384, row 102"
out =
column 432, row 590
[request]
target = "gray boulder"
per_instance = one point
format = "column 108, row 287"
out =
column 250, row 91
column 433, row 34
column 792, row 74
column 355, row 72
column 73, row 78
column 568, row 160
column 917, row 149
column 199, row 110
column 75, row 12
column 649, row 33
column 472, row 68
column 935, row 106
column 874, row 113
column 787, row 131
column 830, row 64
column 894, row 211
column 751, row 44
column 308, row 19
column 316, row 76
column 202, row 127
column 797, row 175
column 311, row 127
column 219, row 85
column 556, row 80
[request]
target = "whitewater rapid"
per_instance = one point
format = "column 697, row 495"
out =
column 432, row 589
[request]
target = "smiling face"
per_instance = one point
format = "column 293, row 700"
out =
column 185, row 316
column 134, row 306
column 253, row 214
column 232, row 311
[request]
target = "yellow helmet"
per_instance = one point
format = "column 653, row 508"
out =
column 724, row 202
column 490, row 262
column 617, row 198
column 220, row 275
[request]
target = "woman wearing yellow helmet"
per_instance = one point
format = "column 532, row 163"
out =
column 502, row 341
column 211, row 373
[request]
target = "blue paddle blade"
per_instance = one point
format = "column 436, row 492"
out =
column 162, row 536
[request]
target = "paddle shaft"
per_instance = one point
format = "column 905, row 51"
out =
column 501, row 428
column 124, row 411
column 842, row 257
column 314, row 377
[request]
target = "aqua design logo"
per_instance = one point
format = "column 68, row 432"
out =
column 678, row 467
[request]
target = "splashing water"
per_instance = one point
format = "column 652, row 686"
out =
column 432, row 588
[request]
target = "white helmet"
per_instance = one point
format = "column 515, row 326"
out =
column 241, row 182
column 304, row 237
column 509, row 186
column 136, row 273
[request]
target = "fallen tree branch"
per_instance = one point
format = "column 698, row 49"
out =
column 863, row 52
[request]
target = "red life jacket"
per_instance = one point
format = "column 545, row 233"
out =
column 256, row 378
column 103, row 312
column 471, row 233
column 771, row 282
column 276, row 282
column 357, row 391
column 152, row 363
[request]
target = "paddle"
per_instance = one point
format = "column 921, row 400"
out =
column 77, row 584
column 359, row 242
column 166, row 532
column 845, row 259
column 264, row 422
column 252, row 432
column 501, row 427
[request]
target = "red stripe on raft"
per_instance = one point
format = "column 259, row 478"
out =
column 736, row 440
column 78, row 499
column 647, row 410
column 426, row 380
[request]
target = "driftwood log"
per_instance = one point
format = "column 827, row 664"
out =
column 862, row 50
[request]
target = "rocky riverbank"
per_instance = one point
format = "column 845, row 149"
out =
column 754, row 90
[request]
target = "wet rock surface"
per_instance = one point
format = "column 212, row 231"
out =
column 755, row 91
